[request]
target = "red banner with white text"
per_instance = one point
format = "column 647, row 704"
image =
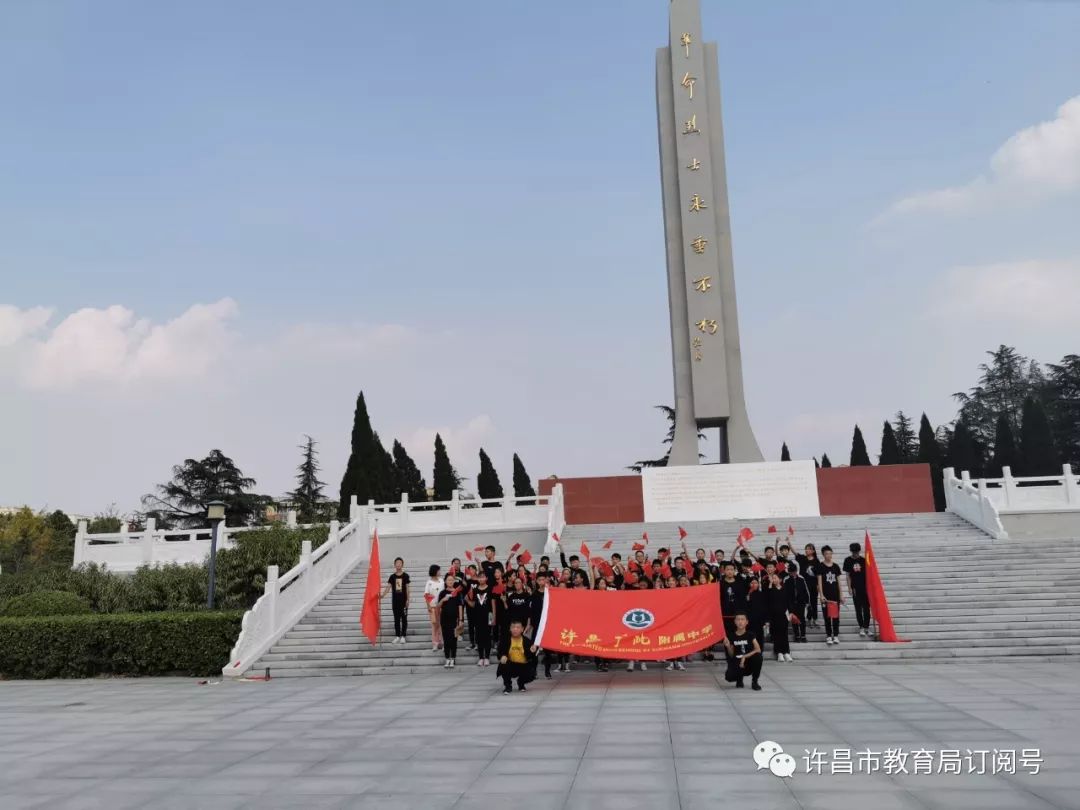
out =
column 634, row 625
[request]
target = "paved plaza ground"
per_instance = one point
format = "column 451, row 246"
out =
column 622, row 741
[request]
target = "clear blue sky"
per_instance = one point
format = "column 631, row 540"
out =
column 456, row 207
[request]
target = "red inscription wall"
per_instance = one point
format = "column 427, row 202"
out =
column 615, row 499
column 891, row 489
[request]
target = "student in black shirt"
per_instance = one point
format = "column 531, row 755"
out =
column 489, row 565
column 829, row 592
column 732, row 596
column 536, row 612
column 780, row 600
column 855, row 568
column 757, row 611
column 574, row 564
column 518, row 603
column 807, row 562
column 480, row 603
column 451, row 609
column 398, row 588
column 801, row 596
column 744, row 655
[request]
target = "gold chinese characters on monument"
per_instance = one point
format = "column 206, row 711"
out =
column 686, row 40
column 691, row 126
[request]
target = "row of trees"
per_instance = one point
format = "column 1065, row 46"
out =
column 1019, row 415
column 372, row 473
column 31, row 539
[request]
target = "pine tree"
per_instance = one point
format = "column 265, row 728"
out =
column 1005, row 453
column 308, row 495
column 964, row 453
column 409, row 479
column 384, row 474
column 890, row 450
column 785, row 454
column 817, row 464
column 523, row 487
column 444, row 478
column 1038, row 454
column 859, row 456
column 360, row 478
column 1064, row 403
column 487, row 482
column 907, row 441
column 930, row 453
column 825, row 463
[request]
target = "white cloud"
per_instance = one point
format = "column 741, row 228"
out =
column 16, row 324
column 1042, row 294
column 1038, row 161
column 111, row 346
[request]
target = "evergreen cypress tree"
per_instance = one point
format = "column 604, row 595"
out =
column 1005, row 453
column 930, row 453
column 825, row 463
column 384, row 473
column 358, row 479
column 907, row 441
column 444, row 478
column 523, row 487
column 859, row 456
column 817, row 464
column 308, row 495
column 1038, row 453
column 409, row 479
column 487, row 482
column 785, row 454
column 890, row 450
column 964, row 455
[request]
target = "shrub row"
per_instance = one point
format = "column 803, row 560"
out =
column 117, row 644
column 45, row 603
column 241, row 574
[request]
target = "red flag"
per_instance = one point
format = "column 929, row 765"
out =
column 688, row 567
column 791, row 531
column 369, row 615
column 682, row 533
column 526, row 557
column 515, row 547
column 757, row 567
column 456, row 591
column 772, row 530
column 638, row 547
column 498, row 590
column 630, row 578
column 645, row 537
column 555, row 537
column 665, row 554
column 712, row 557
column 875, row 591
column 478, row 550
column 585, row 551
column 665, row 571
column 468, row 555
column 608, row 544
column 633, row 566
column 606, row 570
column 745, row 536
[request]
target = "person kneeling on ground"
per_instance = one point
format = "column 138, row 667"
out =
column 744, row 655
column 517, row 658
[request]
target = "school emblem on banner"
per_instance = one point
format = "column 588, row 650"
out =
column 638, row 619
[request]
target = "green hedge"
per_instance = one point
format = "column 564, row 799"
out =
column 45, row 603
column 117, row 644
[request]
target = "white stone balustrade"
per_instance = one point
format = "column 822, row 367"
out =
column 983, row 502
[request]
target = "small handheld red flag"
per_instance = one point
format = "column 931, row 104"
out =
column 682, row 533
column 791, row 531
column 772, row 530
column 525, row 557
column 645, row 537
column 429, row 598
column 630, row 578
column 514, row 548
column 832, row 609
column 665, row 571
column 745, row 536
column 606, row 570
column 585, row 551
column 608, row 544
column 664, row 554
column 638, row 547
column 688, row 567
column 456, row 591
column 757, row 567
column 633, row 566
column 499, row 590
column 468, row 555
column 712, row 557
column 555, row 537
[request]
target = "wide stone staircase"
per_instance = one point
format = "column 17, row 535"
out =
column 954, row 592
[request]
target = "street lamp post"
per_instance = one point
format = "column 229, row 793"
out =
column 215, row 513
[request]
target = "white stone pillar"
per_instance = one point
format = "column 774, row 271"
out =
column 307, row 581
column 80, row 544
column 403, row 511
column 1007, row 485
column 354, row 509
column 148, row 541
column 455, row 508
column 270, row 591
column 290, row 518
column 1072, row 486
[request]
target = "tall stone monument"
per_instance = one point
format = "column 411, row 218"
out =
column 701, row 275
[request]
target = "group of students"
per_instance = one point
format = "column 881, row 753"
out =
column 498, row 604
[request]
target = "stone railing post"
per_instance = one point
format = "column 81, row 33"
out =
column 148, row 541
column 80, row 544
column 335, row 532
column 455, row 508
column 1007, row 485
column 354, row 509
column 949, row 474
column 507, row 509
column 270, row 591
column 290, row 518
column 306, row 579
column 1072, row 486
column 403, row 511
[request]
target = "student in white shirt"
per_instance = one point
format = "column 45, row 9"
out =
column 432, row 588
